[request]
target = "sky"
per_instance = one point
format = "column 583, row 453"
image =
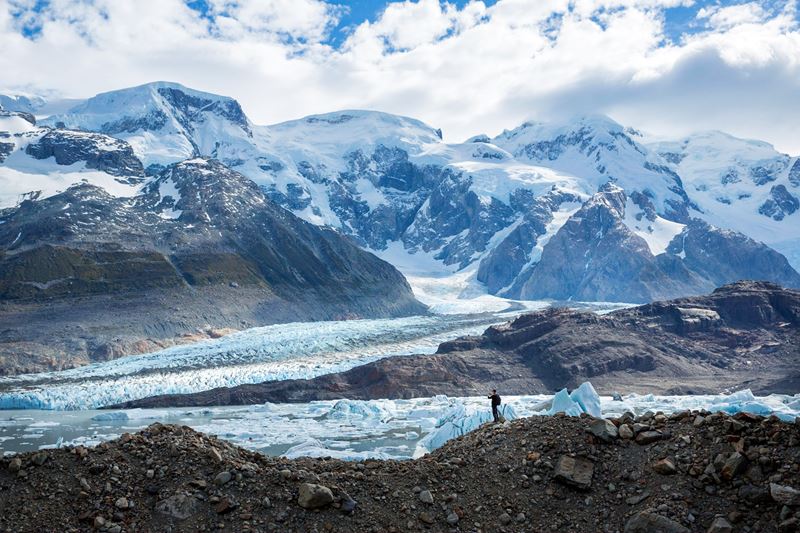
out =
column 669, row 67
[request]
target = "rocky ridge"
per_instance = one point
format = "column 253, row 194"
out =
column 678, row 473
column 741, row 335
column 86, row 275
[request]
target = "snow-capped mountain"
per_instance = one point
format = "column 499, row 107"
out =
column 744, row 185
column 163, row 122
column 496, row 207
column 102, row 261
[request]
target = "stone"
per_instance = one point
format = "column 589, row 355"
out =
column 533, row 456
column 789, row 526
column 179, row 506
column 99, row 522
column 754, row 494
column 734, row 465
column 225, row 505
column 426, row 517
column 574, row 471
column 222, row 478
column 505, row 519
column 312, row 496
column 784, row 494
column 603, row 429
column 15, row 465
column 636, row 499
column 665, row 467
column 720, row 525
column 425, row 496
column 121, row 503
column 625, row 432
column 215, row 455
column 39, row 459
column 348, row 504
column 646, row 522
column 452, row 519
column 648, row 437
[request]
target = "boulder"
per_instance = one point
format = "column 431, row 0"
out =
column 603, row 429
column 312, row 496
column 784, row 494
column 648, row 437
column 574, row 471
column 733, row 466
column 665, row 467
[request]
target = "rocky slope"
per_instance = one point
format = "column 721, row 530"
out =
column 741, row 335
column 87, row 275
column 488, row 205
column 686, row 472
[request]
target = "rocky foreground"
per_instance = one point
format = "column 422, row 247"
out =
column 684, row 472
column 743, row 335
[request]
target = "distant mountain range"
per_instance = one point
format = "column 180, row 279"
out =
column 582, row 210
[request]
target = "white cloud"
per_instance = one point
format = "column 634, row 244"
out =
column 729, row 16
column 468, row 70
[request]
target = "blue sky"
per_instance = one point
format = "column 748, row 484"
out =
column 466, row 66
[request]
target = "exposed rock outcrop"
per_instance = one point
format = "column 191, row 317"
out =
column 744, row 334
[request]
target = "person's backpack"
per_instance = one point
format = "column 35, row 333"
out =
column 499, row 399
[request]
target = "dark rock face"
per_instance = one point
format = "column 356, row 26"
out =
column 794, row 173
column 507, row 260
column 781, row 203
column 596, row 257
column 744, row 334
column 99, row 152
column 5, row 150
column 720, row 256
column 200, row 233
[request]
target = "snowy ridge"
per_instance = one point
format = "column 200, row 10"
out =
column 732, row 182
column 24, row 176
column 398, row 189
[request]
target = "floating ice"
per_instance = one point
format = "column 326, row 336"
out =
column 350, row 408
column 390, row 427
column 314, row 448
column 587, row 398
column 115, row 415
column 584, row 399
column 562, row 403
column 459, row 420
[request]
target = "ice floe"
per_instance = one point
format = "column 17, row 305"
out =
column 350, row 429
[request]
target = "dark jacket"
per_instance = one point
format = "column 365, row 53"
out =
column 495, row 399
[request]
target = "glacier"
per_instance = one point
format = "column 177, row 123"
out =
column 284, row 351
column 352, row 429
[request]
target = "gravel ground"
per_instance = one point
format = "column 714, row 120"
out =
column 677, row 473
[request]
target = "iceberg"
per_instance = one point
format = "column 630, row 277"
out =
column 458, row 420
column 314, row 448
column 588, row 399
column 359, row 408
column 584, row 399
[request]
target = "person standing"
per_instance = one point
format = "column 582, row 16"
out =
column 495, row 404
